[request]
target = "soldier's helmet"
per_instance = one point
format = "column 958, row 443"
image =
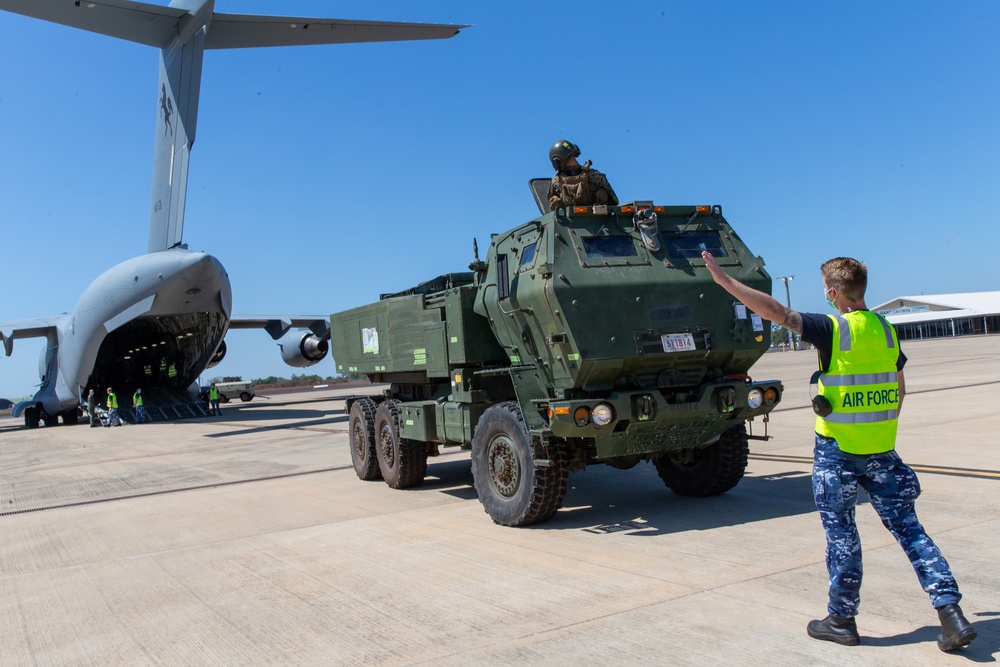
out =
column 561, row 151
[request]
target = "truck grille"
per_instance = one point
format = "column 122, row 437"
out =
column 651, row 374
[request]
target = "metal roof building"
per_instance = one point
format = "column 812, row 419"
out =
column 937, row 315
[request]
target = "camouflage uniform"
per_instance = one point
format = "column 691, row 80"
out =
column 892, row 488
column 580, row 186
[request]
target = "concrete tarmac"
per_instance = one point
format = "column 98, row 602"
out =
column 247, row 539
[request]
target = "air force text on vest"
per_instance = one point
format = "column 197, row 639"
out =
column 864, row 399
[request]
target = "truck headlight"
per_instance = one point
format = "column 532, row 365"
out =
column 602, row 414
column 755, row 399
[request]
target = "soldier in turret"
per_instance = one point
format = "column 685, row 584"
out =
column 575, row 184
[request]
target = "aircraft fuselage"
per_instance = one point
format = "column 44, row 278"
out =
column 153, row 320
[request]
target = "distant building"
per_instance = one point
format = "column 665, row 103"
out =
column 940, row 315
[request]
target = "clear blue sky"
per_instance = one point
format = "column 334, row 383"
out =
column 323, row 176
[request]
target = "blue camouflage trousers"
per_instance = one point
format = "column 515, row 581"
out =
column 892, row 488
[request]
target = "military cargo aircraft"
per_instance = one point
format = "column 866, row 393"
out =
column 160, row 319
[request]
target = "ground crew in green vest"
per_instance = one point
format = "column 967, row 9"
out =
column 575, row 184
column 860, row 390
column 140, row 409
column 172, row 374
column 113, row 418
column 213, row 401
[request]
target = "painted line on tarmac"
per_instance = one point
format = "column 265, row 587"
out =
column 933, row 470
column 163, row 492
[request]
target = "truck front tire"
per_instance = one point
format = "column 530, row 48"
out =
column 708, row 471
column 362, row 439
column 403, row 462
column 513, row 489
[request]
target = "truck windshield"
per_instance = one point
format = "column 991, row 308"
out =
column 609, row 246
column 690, row 244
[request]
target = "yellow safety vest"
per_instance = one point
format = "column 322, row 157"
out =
column 861, row 384
column 112, row 401
column 137, row 400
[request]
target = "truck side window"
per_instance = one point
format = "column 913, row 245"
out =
column 503, row 278
column 528, row 256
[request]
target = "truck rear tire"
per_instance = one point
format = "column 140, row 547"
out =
column 245, row 396
column 708, row 471
column 362, row 439
column 403, row 462
column 223, row 398
column 514, row 490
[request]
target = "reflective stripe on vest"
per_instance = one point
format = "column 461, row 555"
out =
column 861, row 384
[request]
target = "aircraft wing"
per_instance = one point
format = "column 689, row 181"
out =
column 152, row 25
column 278, row 325
column 156, row 25
column 39, row 327
column 231, row 31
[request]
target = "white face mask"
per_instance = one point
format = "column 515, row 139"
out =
column 831, row 303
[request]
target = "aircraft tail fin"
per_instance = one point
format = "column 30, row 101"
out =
column 182, row 32
column 176, row 125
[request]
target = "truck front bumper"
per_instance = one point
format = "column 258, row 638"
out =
column 646, row 421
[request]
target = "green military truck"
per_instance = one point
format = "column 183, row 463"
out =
column 588, row 335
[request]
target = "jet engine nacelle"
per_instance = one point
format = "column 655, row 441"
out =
column 220, row 354
column 302, row 348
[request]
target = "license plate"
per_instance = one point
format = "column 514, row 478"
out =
column 678, row 342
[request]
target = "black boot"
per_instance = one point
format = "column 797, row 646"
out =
column 956, row 631
column 835, row 629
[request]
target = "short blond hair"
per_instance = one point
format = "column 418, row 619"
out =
column 847, row 275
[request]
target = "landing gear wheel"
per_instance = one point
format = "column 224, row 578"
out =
column 403, row 462
column 362, row 439
column 31, row 418
column 71, row 416
column 513, row 488
column 50, row 420
column 708, row 471
column 245, row 396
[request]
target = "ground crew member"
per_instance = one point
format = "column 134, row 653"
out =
column 213, row 401
column 575, row 184
column 172, row 374
column 95, row 420
column 861, row 390
column 140, row 410
column 113, row 418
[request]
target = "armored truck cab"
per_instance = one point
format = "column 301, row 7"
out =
column 588, row 335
